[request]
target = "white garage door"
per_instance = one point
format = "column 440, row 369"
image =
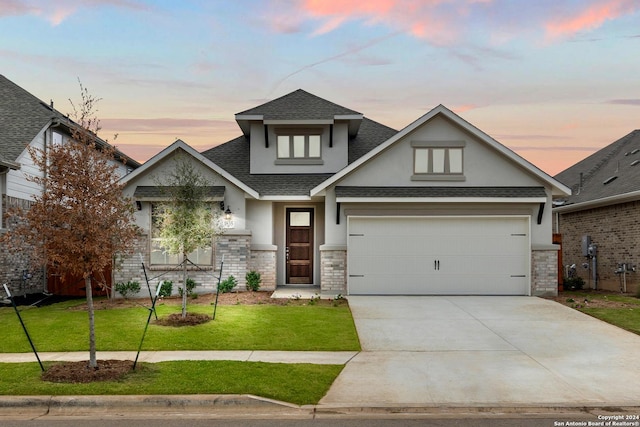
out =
column 438, row 255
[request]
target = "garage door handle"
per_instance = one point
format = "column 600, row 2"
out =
column 356, row 275
column 518, row 275
column 436, row 264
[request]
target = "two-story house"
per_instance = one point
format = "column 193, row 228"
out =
column 318, row 194
column 26, row 121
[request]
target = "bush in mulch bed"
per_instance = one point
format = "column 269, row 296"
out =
column 80, row 372
column 176, row 319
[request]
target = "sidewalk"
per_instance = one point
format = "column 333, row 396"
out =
column 315, row 357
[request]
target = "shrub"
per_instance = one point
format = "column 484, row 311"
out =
column 166, row 288
column 191, row 284
column 253, row 280
column 228, row 284
column 573, row 283
column 128, row 289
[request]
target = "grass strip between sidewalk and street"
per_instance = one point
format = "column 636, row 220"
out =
column 300, row 384
column 63, row 327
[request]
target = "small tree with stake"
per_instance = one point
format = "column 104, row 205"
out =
column 81, row 220
column 186, row 220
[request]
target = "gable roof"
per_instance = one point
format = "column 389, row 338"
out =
column 181, row 145
column 233, row 157
column 607, row 176
column 557, row 188
column 23, row 117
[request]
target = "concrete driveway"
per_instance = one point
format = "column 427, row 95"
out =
column 485, row 351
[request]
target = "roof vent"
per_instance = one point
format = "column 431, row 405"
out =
column 635, row 162
column 610, row 179
column 635, row 151
column 626, row 154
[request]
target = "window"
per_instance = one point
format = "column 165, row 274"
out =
column 438, row 160
column 160, row 256
column 298, row 146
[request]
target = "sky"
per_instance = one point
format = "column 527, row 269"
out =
column 553, row 80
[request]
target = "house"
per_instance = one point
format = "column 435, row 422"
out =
column 26, row 121
column 603, row 212
column 321, row 195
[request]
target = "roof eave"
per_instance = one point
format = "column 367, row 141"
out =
column 441, row 199
column 597, row 203
column 557, row 188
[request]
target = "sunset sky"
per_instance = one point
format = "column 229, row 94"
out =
column 554, row 80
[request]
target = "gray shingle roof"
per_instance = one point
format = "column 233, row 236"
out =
column 506, row 192
column 299, row 105
column 156, row 192
column 233, row 156
column 618, row 159
column 22, row 116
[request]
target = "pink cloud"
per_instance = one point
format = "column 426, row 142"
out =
column 57, row 11
column 592, row 16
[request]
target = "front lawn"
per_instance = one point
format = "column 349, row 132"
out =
column 64, row 327
column 302, row 384
column 621, row 310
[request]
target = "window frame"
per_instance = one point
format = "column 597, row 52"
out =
column 433, row 160
column 154, row 244
column 291, row 137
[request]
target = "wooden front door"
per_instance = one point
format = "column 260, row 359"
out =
column 299, row 250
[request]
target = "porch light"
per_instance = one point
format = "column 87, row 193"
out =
column 228, row 214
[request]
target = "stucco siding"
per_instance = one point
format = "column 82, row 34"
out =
column 263, row 159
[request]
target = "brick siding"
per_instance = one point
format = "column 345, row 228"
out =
column 17, row 269
column 333, row 271
column 616, row 232
column 264, row 262
column 544, row 272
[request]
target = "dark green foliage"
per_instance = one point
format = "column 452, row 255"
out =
column 191, row 284
column 127, row 289
column 228, row 284
column 166, row 288
column 573, row 283
column 253, row 280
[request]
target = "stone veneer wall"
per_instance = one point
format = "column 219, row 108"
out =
column 333, row 270
column 16, row 266
column 234, row 247
column 263, row 260
column 544, row 272
column 615, row 230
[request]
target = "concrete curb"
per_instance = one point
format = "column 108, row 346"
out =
column 249, row 406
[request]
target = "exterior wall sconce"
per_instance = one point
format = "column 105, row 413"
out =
column 228, row 214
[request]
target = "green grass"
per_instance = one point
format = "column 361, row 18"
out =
column 296, row 383
column 623, row 317
column 237, row 327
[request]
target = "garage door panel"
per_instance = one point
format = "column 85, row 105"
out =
column 452, row 256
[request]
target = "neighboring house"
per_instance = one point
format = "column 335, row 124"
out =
column 26, row 121
column 321, row 195
column 605, row 206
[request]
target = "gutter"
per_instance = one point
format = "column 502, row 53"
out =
column 605, row 201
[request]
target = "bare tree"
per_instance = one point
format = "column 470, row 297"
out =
column 81, row 220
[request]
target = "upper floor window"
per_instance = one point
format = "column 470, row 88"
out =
column 442, row 160
column 298, row 146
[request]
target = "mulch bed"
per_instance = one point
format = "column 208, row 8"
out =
column 80, row 372
column 598, row 300
column 113, row 370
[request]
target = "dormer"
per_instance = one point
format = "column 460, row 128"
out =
column 299, row 133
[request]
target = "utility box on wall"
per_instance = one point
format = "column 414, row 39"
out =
column 586, row 243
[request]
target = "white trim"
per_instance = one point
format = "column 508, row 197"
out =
column 287, row 198
column 298, row 122
column 558, row 189
column 183, row 145
column 441, row 199
column 598, row 203
column 249, row 117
